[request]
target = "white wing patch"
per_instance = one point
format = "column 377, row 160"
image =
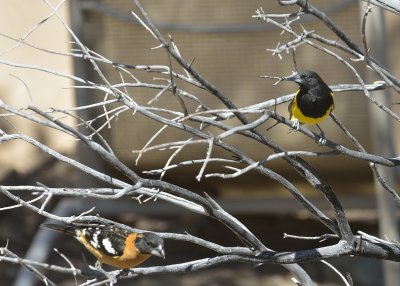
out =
column 107, row 245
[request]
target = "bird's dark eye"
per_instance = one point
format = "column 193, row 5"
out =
column 153, row 244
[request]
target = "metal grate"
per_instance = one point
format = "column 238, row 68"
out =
column 229, row 48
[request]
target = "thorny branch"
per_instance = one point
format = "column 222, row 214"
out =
column 196, row 125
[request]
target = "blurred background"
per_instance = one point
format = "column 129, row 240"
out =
column 229, row 48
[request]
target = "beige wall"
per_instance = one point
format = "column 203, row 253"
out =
column 17, row 18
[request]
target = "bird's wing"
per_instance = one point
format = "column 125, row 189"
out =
column 108, row 239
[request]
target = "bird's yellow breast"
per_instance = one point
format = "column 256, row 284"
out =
column 296, row 113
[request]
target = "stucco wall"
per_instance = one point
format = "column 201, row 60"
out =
column 18, row 19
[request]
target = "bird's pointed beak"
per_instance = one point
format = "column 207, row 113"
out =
column 159, row 251
column 294, row 77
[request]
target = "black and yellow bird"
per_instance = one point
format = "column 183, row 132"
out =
column 313, row 101
column 113, row 245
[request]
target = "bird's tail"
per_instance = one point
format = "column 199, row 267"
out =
column 67, row 229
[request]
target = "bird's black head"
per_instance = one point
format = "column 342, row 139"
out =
column 306, row 78
column 150, row 243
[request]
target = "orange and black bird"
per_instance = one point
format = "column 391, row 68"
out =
column 113, row 245
column 313, row 101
